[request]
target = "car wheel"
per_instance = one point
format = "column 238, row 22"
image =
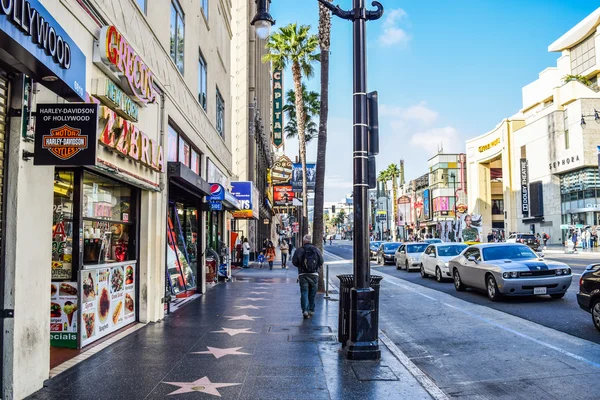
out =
column 557, row 296
column 492, row 289
column 438, row 274
column 423, row 274
column 458, row 285
column 406, row 266
column 596, row 313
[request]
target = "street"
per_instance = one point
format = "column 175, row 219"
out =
column 473, row 348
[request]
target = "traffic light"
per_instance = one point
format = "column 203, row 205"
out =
column 373, row 122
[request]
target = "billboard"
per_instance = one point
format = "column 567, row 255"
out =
column 426, row 205
column 281, row 172
column 283, row 195
column 465, row 229
column 248, row 197
column 404, row 214
column 278, row 107
column 311, row 177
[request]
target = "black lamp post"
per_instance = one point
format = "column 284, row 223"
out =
column 363, row 336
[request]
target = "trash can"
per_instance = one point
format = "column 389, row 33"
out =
column 346, row 285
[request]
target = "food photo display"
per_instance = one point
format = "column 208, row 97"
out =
column 63, row 314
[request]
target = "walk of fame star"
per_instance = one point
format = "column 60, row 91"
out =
column 233, row 332
column 218, row 353
column 254, row 298
column 259, row 292
column 241, row 318
column 250, row 307
column 202, row 385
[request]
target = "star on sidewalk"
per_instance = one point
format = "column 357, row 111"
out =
column 218, row 353
column 202, row 385
column 259, row 292
column 254, row 298
column 250, row 307
column 233, row 332
column 241, row 318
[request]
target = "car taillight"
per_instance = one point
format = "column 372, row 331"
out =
column 581, row 281
column 520, row 240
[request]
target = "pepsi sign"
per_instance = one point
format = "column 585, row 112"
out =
column 217, row 192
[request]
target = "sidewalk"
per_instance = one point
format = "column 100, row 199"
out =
column 560, row 249
column 245, row 339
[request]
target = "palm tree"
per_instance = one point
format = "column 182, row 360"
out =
column 311, row 105
column 295, row 45
column 324, row 42
column 383, row 177
column 394, row 172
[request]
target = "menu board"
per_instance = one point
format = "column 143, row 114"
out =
column 107, row 301
column 63, row 314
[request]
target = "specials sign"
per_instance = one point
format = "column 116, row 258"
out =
column 65, row 134
column 277, row 108
column 524, row 187
column 115, row 56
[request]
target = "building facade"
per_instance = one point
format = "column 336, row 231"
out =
column 156, row 99
column 447, row 186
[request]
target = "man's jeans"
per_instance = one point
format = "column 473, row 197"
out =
column 308, row 291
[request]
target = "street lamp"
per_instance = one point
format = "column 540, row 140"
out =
column 363, row 336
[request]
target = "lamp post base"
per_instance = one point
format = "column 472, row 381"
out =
column 364, row 325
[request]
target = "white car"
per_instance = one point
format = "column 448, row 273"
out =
column 408, row 255
column 434, row 260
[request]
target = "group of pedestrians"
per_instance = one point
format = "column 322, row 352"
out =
column 587, row 238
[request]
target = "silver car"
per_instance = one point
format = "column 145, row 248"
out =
column 435, row 259
column 509, row 269
column 408, row 255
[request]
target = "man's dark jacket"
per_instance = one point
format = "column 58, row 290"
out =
column 298, row 259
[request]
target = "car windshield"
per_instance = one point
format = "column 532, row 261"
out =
column 508, row 253
column 433, row 240
column 448, row 251
column 527, row 237
column 417, row 248
column 375, row 244
column 391, row 246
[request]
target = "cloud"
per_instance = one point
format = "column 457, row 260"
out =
column 430, row 140
column 392, row 33
column 418, row 112
column 338, row 182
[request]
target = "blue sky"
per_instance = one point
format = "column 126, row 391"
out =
column 445, row 71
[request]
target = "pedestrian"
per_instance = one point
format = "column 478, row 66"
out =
column 270, row 254
column 490, row 237
column 589, row 239
column 545, row 238
column 245, row 253
column 324, row 240
column 331, row 240
column 284, row 248
column 574, row 240
column 309, row 261
column 584, row 239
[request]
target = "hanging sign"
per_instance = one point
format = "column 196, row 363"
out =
column 311, row 177
column 524, row 187
column 281, row 173
column 278, row 108
column 65, row 134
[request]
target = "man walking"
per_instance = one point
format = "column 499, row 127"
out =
column 309, row 261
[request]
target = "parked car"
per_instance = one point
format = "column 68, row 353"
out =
column 509, row 269
column 373, row 249
column 386, row 252
column 431, row 241
column 408, row 255
column 436, row 257
column 524, row 238
column 589, row 292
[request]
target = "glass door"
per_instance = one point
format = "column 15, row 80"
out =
column 182, row 257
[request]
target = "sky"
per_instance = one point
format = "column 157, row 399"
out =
column 445, row 71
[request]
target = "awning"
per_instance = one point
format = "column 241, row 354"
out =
column 219, row 194
column 187, row 179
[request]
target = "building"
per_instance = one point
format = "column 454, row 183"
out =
column 154, row 100
column 447, row 186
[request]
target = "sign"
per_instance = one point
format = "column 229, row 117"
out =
column 488, row 146
column 217, row 192
column 566, row 161
column 115, row 56
column 461, row 208
column 110, row 95
column 281, row 172
column 404, row 200
column 283, row 195
column 266, row 221
column 63, row 314
column 216, row 205
column 65, row 134
column 311, row 177
column 524, row 187
column 278, row 107
column 31, row 35
column 214, row 174
column 426, row 205
column 248, row 198
column 125, row 139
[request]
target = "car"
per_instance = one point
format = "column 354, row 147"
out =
column 408, row 255
column 528, row 239
column 386, row 252
column 509, row 269
column 589, row 292
column 431, row 241
column 435, row 259
column 373, row 248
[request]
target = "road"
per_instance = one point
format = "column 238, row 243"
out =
column 475, row 349
column 563, row 315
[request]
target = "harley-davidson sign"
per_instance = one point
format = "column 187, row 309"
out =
column 65, row 134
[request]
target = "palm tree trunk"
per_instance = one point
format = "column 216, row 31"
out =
column 301, row 121
column 395, row 205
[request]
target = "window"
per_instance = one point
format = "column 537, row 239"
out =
column 204, row 4
column 195, row 162
column 177, row 34
column 184, row 152
column 172, row 144
column 142, row 5
column 566, row 123
column 220, row 114
column 497, row 207
column 180, row 149
column 583, row 56
column 202, row 81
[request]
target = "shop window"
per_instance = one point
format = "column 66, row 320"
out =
column 177, row 34
column 62, row 226
column 184, row 152
column 182, row 250
column 220, row 114
column 142, row 5
column 195, row 162
column 172, row 144
column 202, row 77
column 107, row 220
column 204, row 4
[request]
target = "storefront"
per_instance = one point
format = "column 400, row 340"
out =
column 220, row 232
column 249, row 202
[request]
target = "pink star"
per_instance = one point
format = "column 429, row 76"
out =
column 202, row 385
column 233, row 332
column 218, row 353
